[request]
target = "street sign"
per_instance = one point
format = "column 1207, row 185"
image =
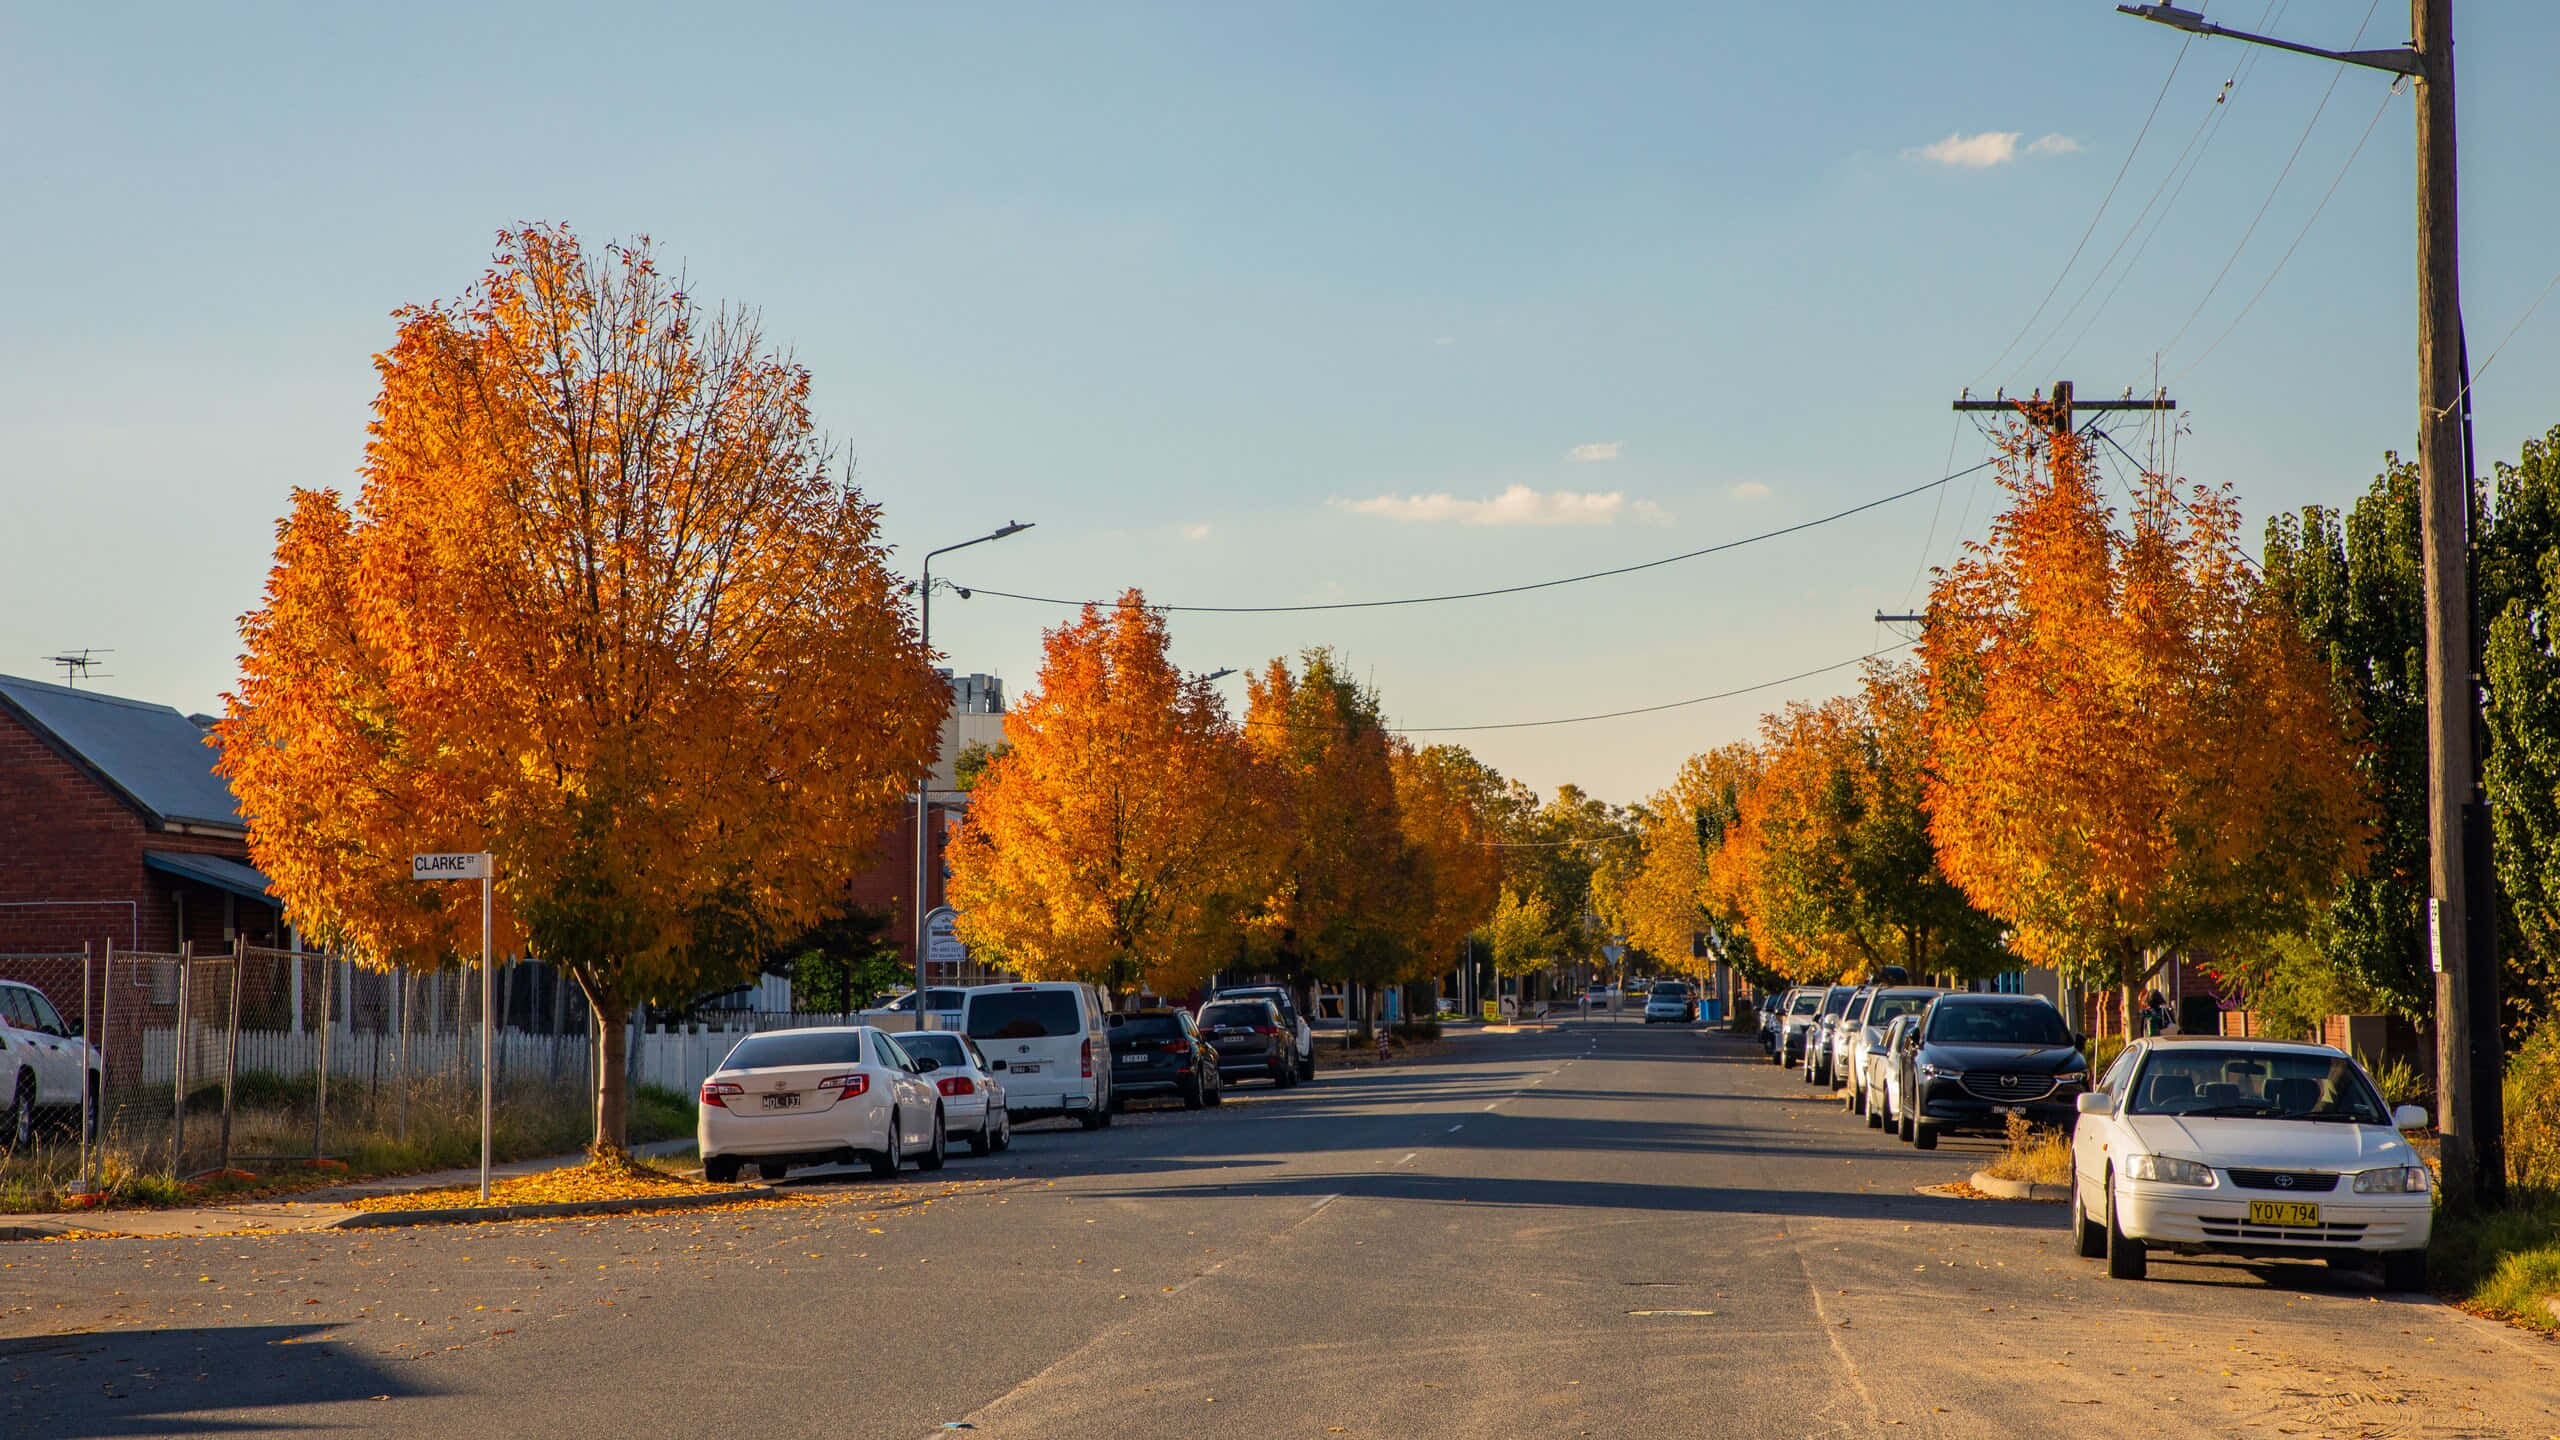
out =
column 1613, row 952
column 449, row 867
column 942, row 938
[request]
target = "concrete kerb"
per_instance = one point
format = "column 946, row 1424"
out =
column 1999, row 1189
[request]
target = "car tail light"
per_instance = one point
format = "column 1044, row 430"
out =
column 1088, row 1059
column 712, row 1090
column 1266, row 1029
column 851, row 1085
column 1177, row 1047
column 957, row 1085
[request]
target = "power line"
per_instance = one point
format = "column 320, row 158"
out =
column 1654, row 709
column 2501, row 346
column 1714, row 549
column 2103, row 202
column 2281, row 260
column 2304, row 139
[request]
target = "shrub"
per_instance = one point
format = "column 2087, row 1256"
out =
column 658, row 1113
column 2533, row 1110
column 2040, row 1157
column 2400, row 1082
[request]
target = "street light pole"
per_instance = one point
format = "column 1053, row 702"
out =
column 924, row 787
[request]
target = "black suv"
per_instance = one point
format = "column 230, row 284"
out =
column 1972, row 1061
column 1250, row 1041
column 1155, row 1052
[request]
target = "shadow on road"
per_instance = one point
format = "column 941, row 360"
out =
column 162, row 1382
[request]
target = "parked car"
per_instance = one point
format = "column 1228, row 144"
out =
column 1159, row 1052
column 1884, row 1081
column 1868, row 1032
column 49, row 1068
column 973, row 1099
column 2260, row 1148
column 1975, row 1060
column 834, row 1094
column 942, row 1007
column 1635, row 987
column 1303, row 1035
column 1819, row 1035
column 1049, row 1043
column 1671, row 1002
column 1804, row 1004
column 1250, row 1041
column 1772, row 1015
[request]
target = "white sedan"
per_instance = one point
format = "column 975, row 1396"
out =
column 972, row 1097
column 2214, row 1145
column 1883, row 1084
column 836, row 1094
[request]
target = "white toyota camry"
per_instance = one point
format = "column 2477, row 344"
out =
column 2216, row 1145
column 837, row 1094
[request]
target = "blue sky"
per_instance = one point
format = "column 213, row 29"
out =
column 1189, row 285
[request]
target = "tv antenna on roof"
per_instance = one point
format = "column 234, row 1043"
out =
column 77, row 665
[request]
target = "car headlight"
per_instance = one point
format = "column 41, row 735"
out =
column 2072, row 1077
column 2168, row 1170
column 2393, row 1180
column 1929, row 1071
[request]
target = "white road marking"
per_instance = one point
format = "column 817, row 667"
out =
column 1461, row 1125
column 1409, row 1154
column 1320, row 1204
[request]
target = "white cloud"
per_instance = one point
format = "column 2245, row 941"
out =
column 1971, row 152
column 1596, row 450
column 1749, row 490
column 1195, row 532
column 1518, row 505
column 2053, row 145
column 1648, row 513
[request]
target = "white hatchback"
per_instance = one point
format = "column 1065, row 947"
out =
column 2216, row 1145
column 835, row 1094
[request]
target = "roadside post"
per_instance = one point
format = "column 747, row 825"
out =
column 480, row 867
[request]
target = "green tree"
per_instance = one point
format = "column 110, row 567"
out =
column 2518, row 565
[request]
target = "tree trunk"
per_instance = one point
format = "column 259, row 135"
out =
column 613, row 1072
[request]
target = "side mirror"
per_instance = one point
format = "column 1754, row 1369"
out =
column 2094, row 1102
column 995, row 1064
column 926, row 1064
column 2409, row 1117
column 2079, row 1041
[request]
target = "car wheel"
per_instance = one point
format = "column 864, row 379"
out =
column 1004, row 1132
column 1095, row 1118
column 1875, row 1118
column 884, row 1165
column 1191, row 1096
column 2404, row 1270
column 1307, row 1067
column 1857, row 1101
column 721, row 1169
column 1902, row 1130
column 22, row 1113
column 1217, row 1088
column 933, row 1159
column 1924, row 1136
column 2089, row 1235
column 2127, row 1258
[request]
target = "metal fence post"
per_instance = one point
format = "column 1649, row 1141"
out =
column 89, row 1097
column 178, row 1067
column 231, row 1048
column 320, row 1082
column 400, row 1059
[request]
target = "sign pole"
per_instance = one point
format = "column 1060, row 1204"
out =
column 488, row 1021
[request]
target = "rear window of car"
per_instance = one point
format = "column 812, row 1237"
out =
column 1023, row 1015
column 1280, row 999
column 1239, row 1013
column 1805, row 1003
column 1837, row 1000
column 939, row 1046
column 1147, row 1027
column 1997, row 1025
column 1889, row 1006
column 784, row 1047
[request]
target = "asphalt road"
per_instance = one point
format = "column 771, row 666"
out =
column 1601, row 1229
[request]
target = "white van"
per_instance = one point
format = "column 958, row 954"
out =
column 1049, row 1043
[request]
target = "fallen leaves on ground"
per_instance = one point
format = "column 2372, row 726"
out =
column 613, row 1178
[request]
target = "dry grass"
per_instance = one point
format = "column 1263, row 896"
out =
column 2037, row 1157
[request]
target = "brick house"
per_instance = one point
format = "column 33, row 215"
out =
column 113, row 827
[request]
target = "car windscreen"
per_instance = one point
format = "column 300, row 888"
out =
column 939, row 1046
column 1997, row 1025
column 1837, row 1000
column 796, row 1047
column 1147, row 1027
column 1673, row 990
column 1241, row 1013
column 2263, row 1085
column 1023, row 1014
column 1805, row 1003
column 1888, row 1006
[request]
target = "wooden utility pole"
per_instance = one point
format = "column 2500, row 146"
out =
column 2053, row 413
column 2467, row 1040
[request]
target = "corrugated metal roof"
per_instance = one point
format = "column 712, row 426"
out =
column 214, row 870
column 155, row 755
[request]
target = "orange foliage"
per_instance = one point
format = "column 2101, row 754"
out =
column 2131, row 750
column 598, row 608
column 1120, row 834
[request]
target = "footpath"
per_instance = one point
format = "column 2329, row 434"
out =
column 333, row 1208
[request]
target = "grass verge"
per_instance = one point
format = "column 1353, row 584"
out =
column 2037, row 1157
column 2505, row 1263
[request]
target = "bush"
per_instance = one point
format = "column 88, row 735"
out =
column 2400, row 1081
column 2103, row 1050
column 2040, row 1157
column 2506, row 1260
column 2533, row 1110
column 658, row 1113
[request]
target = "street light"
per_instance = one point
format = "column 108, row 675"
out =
column 924, row 788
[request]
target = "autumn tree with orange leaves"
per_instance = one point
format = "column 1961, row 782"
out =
column 1121, row 832
column 2132, row 751
column 598, row 607
column 1445, row 807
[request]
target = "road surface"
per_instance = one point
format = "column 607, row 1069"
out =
column 1600, row 1229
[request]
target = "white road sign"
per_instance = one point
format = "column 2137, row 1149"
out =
column 942, row 939
column 449, row 867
